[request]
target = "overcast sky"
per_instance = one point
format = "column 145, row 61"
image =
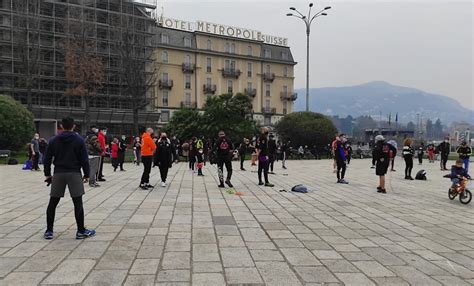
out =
column 425, row 44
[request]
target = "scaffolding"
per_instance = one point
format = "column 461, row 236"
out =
column 43, row 23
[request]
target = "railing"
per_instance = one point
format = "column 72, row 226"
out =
column 268, row 77
column 284, row 95
column 269, row 110
column 188, row 67
column 209, row 89
column 165, row 84
column 230, row 73
column 188, row 104
column 252, row 92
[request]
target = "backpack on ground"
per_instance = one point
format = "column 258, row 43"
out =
column 300, row 189
column 421, row 175
column 12, row 161
column 28, row 165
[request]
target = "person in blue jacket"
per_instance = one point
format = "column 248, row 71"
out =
column 341, row 159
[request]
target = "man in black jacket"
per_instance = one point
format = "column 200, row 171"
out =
column 69, row 153
column 244, row 146
column 444, row 148
column 263, row 158
column 382, row 159
column 94, row 149
column 223, row 149
column 164, row 156
column 272, row 152
column 121, row 152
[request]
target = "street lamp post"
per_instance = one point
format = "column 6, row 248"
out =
column 307, row 20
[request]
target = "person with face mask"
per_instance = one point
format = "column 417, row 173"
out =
column 341, row 159
column 94, row 150
column 148, row 148
column 223, row 149
column 263, row 158
column 464, row 151
column 122, row 148
column 35, row 153
column 164, row 156
column 444, row 148
column 101, row 136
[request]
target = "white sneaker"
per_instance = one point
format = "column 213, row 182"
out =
column 163, row 184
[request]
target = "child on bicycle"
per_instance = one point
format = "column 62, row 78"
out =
column 458, row 173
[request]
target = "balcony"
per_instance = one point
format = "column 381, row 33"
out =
column 188, row 104
column 165, row 84
column 252, row 92
column 209, row 89
column 269, row 110
column 286, row 96
column 230, row 73
column 268, row 77
column 188, row 67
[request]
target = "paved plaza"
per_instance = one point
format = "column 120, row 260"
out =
column 192, row 233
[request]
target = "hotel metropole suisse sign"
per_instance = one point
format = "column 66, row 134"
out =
column 223, row 30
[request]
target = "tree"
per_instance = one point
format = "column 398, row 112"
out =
column 16, row 124
column 184, row 123
column 26, row 35
column 307, row 128
column 138, row 68
column 83, row 67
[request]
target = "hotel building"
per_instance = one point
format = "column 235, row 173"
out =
column 197, row 60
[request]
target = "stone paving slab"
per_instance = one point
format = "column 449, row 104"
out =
column 193, row 233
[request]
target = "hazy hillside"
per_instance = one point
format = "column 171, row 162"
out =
column 375, row 97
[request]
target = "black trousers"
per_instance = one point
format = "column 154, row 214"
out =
column 221, row 161
column 444, row 160
column 242, row 159
column 392, row 161
column 192, row 162
column 420, row 159
column 263, row 167
column 35, row 161
column 408, row 165
column 101, row 167
column 121, row 159
column 341, row 169
column 348, row 160
column 163, row 171
column 373, row 160
column 147, row 161
column 271, row 159
column 78, row 212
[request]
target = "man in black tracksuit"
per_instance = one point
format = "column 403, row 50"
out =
column 272, row 152
column 164, row 157
column 121, row 152
column 223, row 149
column 444, row 148
column 263, row 158
column 244, row 146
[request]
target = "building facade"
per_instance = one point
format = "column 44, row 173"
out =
column 194, row 65
column 44, row 23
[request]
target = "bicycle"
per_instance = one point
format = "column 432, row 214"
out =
column 465, row 196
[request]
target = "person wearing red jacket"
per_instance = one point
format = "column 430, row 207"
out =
column 101, row 137
column 148, row 148
column 114, row 148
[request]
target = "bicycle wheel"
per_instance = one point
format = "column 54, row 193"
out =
column 465, row 197
column 452, row 194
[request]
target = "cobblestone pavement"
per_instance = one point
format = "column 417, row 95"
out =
column 194, row 233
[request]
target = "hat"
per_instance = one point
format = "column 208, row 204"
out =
column 379, row 138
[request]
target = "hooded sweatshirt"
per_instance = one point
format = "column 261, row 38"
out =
column 68, row 152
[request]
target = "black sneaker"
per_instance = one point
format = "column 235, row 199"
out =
column 48, row 235
column 101, row 180
column 242, row 169
column 148, row 186
column 221, row 185
column 269, row 185
column 143, row 187
column 229, row 184
column 382, row 191
column 342, row 181
column 260, row 183
column 85, row 234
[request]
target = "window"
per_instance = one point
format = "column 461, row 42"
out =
column 187, row 81
column 209, row 45
column 249, row 86
column 267, row 104
column 164, row 39
column 164, row 98
column 208, row 81
column 285, row 107
column 226, row 48
column 249, row 51
column 229, row 65
column 230, row 88
column 187, row 59
column 267, row 120
column 267, row 69
column 187, row 99
column 285, row 71
column 208, row 65
column 232, row 48
column 285, row 90
column 284, row 56
column 249, row 69
column 165, row 77
column 164, row 56
column 165, row 116
column 187, row 42
column 267, row 90
column 267, row 53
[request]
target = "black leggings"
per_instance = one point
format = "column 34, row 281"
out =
column 242, row 159
column 164, row 167
column 192, row 162
column 341, row 169
column 78, row 212
column 221, row 161
column 408, row 165
column 146, row 160
column 263, row 166
column 420, row 159
column 444, row 160
column 392, row 162
column 272, row 161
